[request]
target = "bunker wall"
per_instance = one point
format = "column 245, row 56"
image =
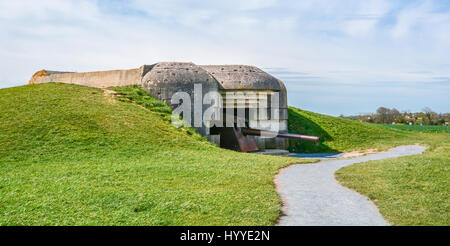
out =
column 99, row 79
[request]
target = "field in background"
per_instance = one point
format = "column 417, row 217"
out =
column 416, row 128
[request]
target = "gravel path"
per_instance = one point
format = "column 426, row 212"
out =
column 312, row 196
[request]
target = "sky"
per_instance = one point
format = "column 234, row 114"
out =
column 335, row 57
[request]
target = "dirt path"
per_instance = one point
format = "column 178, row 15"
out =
column 312, row 196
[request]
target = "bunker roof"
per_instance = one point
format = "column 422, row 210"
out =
column 243, row 77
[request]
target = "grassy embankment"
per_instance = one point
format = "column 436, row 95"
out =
column 71, row 155
column 412, row 190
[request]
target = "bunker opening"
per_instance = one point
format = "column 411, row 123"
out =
column 249, row 119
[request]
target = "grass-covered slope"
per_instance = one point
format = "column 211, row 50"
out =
column 339, row 135
column 73, row 155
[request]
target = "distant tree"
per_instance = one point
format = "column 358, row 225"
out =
column 394, row 115
column 382, row 115
column 431, row 117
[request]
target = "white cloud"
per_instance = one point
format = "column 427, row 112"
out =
column 359, row 27
column 424, row 18
column 48, row 9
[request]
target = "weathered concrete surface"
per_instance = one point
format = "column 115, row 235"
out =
column 313, row 197
column 236, row 77
column 99, row 79
column 167, row 78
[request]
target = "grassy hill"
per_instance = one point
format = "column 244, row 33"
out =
column 75, row 155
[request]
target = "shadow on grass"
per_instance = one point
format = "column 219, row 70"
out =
column 301, row 125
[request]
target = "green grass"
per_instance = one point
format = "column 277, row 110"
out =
column 135, row 94
column 416, row 128
column 340, row 135
column 71, row 155
column 411, row 190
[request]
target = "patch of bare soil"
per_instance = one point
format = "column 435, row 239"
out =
column 109, row 94
column 358, row 153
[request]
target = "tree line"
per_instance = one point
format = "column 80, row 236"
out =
column 393, row 116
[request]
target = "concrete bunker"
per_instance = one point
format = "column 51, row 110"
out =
column 246, row 93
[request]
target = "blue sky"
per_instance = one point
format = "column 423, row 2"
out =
column 335, row 57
